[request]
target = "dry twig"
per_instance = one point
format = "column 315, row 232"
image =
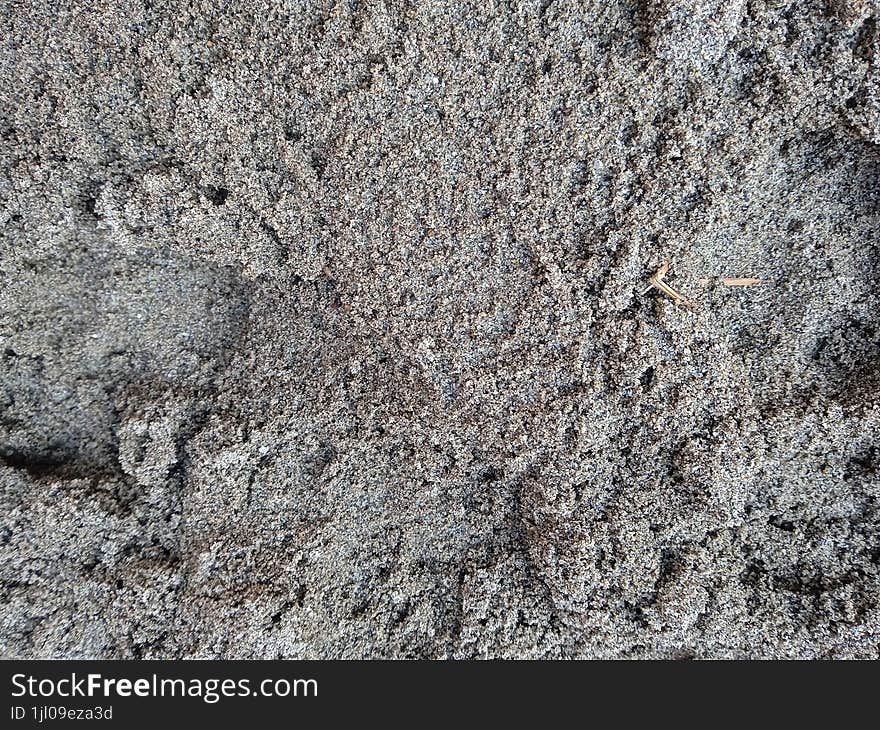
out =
column 732, row 281
column 657, row 282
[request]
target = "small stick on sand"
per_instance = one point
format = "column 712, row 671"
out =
column 656, row 282
column 731, row 281
column 728, row 281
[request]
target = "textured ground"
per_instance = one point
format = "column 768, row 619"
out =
column 324, row 332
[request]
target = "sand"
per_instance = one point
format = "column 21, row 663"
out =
column 326, row 329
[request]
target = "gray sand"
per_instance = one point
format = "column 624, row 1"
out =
column 324, row 331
